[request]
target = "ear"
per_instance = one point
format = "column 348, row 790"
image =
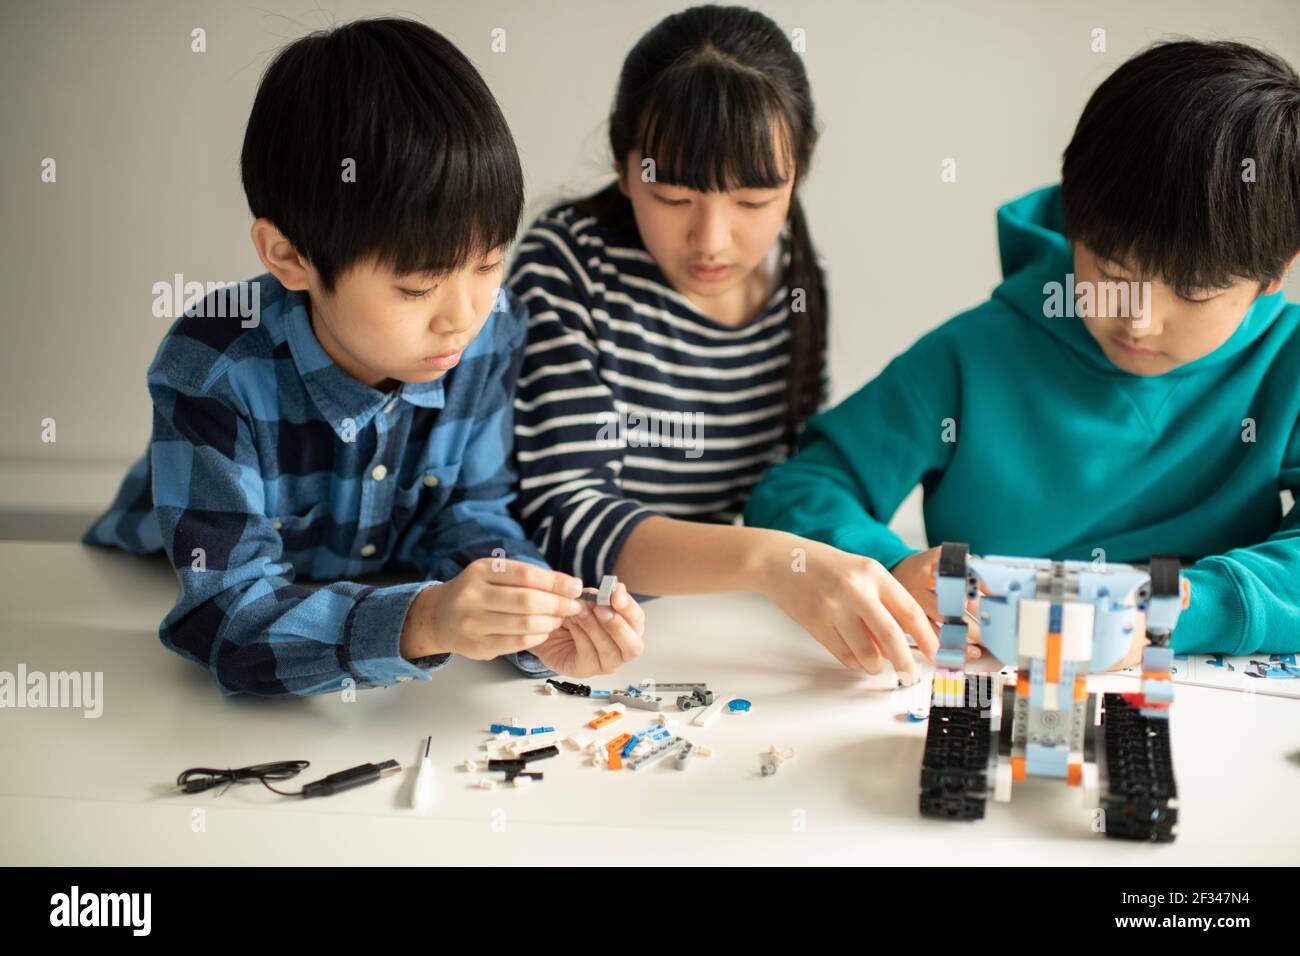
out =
column 621, row 169
column 279, row 256
column 1276, row 284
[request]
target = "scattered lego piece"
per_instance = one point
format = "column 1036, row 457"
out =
column 702, row 751
column 661, row 718
column 578, row 741
column 636, row 699
column 549, row 689
column 521, row 780
column 683, row 758
column 543, row 753
column 542, row 730
column 738, row 706
column 573, row 690
column 486, row 783
column 663, row 749
column 919, row 713
column 509, row 729
column 710, row 713
column 778, row 756
column 470, row 766
column 604, row 719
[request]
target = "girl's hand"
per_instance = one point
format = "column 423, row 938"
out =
column 597, row 639
column 851, row 604
column 916, row 574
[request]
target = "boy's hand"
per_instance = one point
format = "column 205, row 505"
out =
column 916, row 574
column 483, row 613
column 1139, row 644
column 597, row 639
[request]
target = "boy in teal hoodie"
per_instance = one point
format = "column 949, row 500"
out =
column 1133, row 385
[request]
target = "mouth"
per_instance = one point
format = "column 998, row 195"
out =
column 1136, row 351
column 445, row 361
column 709, row 273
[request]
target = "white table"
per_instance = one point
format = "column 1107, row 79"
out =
column 78, row 791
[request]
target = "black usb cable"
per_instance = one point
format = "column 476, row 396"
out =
column 198, row 779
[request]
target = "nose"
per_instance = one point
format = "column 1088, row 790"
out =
column 454, row 314
column 711, row 229
column 1146, row 316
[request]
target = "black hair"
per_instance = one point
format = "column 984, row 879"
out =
column 1154, row 177
column 437, row 175
column 702, row 94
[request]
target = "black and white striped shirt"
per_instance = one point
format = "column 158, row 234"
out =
column 631, row 401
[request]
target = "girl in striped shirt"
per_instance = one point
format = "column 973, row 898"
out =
column 677, row 343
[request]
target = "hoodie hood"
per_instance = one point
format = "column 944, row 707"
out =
column 1034, row 252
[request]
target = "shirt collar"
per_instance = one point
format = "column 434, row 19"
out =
column 338, row 395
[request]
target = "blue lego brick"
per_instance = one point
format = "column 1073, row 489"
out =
column 1158, row 691
column 513, row 731
column 950, row 657
column 1044, row 761
column 951, row 596
column 1054, row 618
column 542, row 730
column 1159, row 660
column 953, row 635
column 1037, row 681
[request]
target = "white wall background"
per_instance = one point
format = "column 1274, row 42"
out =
column 146, row 135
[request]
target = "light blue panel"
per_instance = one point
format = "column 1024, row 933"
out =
column 1044, row 761
column 1037, row 681
column 1162, row 613
column 950, row 657
column 951, row 595
column 1159, row 660
column 998, row 632
column 953, row 636
column 1158, row 691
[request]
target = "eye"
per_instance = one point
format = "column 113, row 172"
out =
column 416, row 293
column 671, row 202
column 488, row 270
column 755, row 203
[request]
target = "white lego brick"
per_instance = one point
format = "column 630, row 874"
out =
column 470, row 766
column 607, row 585
column 1031, row 632
column 1091, row 785
column 485, row 783
column 522, row 781
column 578, row 741
column 1051, row 696
column 709, row 714
column 1077, row 621
column 1002, row 781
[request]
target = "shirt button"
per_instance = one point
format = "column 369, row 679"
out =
column 379, row 472
column 367, row 550
column 431, row 481
column 390, row 406
column 277, row 524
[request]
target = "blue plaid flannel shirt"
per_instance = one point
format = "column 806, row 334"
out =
column 269, row 461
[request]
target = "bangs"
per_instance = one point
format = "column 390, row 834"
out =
column 380, row 141
column 712, row 127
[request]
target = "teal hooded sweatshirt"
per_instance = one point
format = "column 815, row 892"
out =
column 1060, row 454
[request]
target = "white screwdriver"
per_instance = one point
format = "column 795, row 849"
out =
column 422, row 794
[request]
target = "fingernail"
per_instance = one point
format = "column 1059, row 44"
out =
column 603, row 614
column 575, row 607
column 905, row 679
column 572, row 587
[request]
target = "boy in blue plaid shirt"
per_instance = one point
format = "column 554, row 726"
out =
column 351, row 410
